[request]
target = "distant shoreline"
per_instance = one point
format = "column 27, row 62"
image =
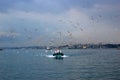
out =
column 75, row 46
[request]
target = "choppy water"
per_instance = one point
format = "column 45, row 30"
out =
column 33, row 64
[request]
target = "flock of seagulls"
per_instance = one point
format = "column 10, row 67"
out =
column 75, row 25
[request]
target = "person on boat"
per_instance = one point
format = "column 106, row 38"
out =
column 58, row 51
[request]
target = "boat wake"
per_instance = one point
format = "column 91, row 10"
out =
column 51, row 56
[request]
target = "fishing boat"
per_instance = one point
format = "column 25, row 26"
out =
column 58, row 54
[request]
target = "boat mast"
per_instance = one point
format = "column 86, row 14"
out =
column 59, row 38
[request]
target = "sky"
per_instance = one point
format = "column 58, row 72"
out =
column 58, row 22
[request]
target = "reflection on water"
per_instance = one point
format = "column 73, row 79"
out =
column 89, row 64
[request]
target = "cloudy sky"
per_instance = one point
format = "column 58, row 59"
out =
column 56, row 22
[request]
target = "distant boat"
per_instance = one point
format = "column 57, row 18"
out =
column 48, row 48
column 1, row 49
column 58, row 54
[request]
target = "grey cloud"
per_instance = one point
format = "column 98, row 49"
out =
column 53, row 6
column 5, row 5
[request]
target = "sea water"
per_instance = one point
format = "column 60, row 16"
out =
column 78, row 64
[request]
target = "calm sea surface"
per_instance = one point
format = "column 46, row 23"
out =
column 36, row 64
